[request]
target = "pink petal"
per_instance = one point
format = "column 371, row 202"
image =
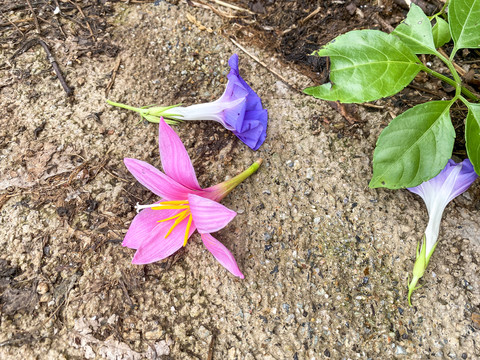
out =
column 156, row 247
column 142, row 225
column 156, row 181
column 175, row 160
column 209, row 215
column 222, row 254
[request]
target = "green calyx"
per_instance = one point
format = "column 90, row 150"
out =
column 152, row 113
column 418, row 270
column 228, row 185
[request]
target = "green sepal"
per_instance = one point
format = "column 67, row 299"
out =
column 418, row 269
column 152, row 113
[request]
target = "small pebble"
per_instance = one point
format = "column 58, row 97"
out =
column 42, row 288
column 309, row 174
column 400, row 350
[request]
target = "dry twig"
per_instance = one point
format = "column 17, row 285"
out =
column 86, row 20
column 455, row 65
column 312, row 14
column 35, row 20
column 114, row 75
column 234, row 7
column 386, row 26
column 210, row 347
column 265, row 66
column 200, row 4
column 52, row 61
column 32, row 42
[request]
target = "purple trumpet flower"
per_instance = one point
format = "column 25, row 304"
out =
column 239, row 110
column 452, row 181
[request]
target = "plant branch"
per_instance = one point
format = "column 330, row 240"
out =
column 463, row 100
column 442, row 11
column 449, row 81
column 456, row 77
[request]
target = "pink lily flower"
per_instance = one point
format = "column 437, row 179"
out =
column 162, row 228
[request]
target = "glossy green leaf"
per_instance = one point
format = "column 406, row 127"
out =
column 441, row 32
column 366, row 65
column 416, row 31
column 472, row 135
column 414, row 147
column 464, row 20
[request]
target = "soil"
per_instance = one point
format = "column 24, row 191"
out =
column 325, row 258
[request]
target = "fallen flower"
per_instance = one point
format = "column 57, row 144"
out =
column 239, row 110
column 452, row 181
column 160, row 229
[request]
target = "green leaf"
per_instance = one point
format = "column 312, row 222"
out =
column 472, row 135
column 464, row 19
column 441, row 32
column 366, row 65
column 414, row 147
column 416, row 31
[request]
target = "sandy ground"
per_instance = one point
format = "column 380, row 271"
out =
column 325, row 258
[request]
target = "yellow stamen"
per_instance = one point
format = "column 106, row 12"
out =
column 171, row 207
column 173, row 217
column 179, row 217
column 174, row 202
column 187, row 231
column 184, row 214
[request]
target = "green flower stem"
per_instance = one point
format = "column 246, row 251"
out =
column 151, row 113
column 123, row 106
column 228, row 185
column 463, row 89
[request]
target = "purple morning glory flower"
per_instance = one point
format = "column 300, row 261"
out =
column 239, row 110
column 452, row 181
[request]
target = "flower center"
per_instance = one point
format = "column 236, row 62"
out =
column 179, row 217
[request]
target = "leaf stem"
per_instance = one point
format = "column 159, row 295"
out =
column 449, row 81
column 463, row 100
column 450, row 66
column 454, row 51
column 442, row 11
